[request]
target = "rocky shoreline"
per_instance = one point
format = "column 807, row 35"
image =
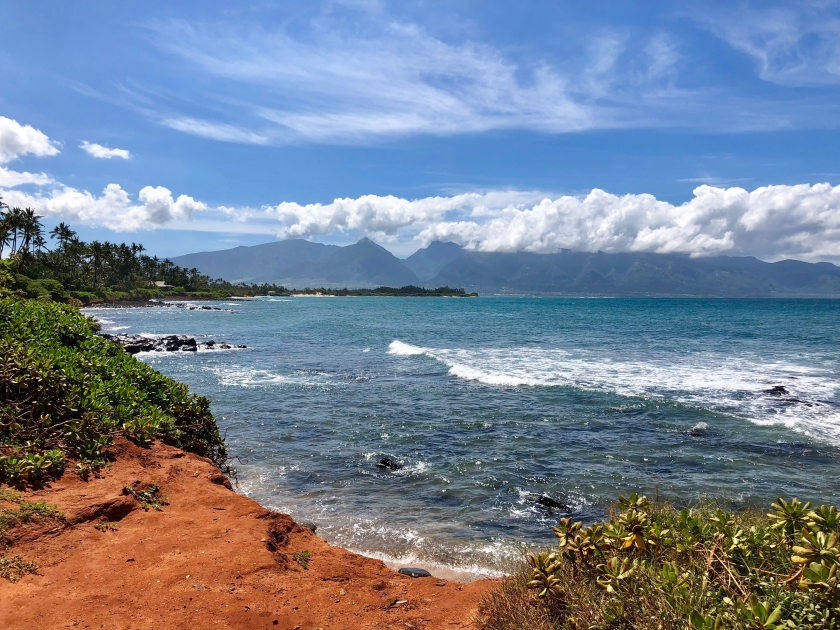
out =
column 134, row 344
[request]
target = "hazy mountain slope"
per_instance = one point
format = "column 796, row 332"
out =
column 428, row 261
column 363, row 264
column 260, row 263
column 636, row 274
column 298, row 263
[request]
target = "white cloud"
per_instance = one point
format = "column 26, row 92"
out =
column 382, row 217
column 17, row 140
column 389, row 79
column 791, row 47
column 770, row 222
column 98, row 151
column 112, row 209
column 10, row 179
column 215, row 131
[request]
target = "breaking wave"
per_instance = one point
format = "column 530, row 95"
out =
column 739, row 386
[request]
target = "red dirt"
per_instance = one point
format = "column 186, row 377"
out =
column 211, row 558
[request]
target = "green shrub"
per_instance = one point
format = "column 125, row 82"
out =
column 63, row 389
column 655, row 567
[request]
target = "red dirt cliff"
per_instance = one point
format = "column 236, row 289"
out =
column 212, row 558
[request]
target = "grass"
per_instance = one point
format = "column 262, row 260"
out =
column 653, row 567
column 66, row 391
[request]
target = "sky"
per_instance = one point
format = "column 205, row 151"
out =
column 696, row 128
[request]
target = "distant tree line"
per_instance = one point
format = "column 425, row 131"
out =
column 95, row 266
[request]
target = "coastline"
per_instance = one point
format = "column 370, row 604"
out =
column 211, row 557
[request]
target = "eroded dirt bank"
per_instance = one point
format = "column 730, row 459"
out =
column 211, row 558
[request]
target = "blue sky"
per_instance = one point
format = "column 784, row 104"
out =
column 208, row 125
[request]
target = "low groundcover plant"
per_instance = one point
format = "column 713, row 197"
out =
column 653, row 566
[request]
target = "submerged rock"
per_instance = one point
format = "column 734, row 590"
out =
column 777, row 390
column 546, row 502
column 414, row 572
column 698, row 429
column 389, row 464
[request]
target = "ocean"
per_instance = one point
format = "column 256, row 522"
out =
column 486, row 404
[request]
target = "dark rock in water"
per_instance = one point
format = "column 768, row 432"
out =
column 389, row 464
column 698, row 430
column 415, row 573
column 546, row 502
column 242, row 346
column 312, row 527
column 134, row 344
column 777, row 390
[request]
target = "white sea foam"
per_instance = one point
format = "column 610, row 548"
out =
column 733, row 385
column 404, row 350
column 245, row 377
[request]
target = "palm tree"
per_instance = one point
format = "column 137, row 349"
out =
column 97, row 253
column 14, row 223
column 30, row 229
column 63, row 234
column 5, row 233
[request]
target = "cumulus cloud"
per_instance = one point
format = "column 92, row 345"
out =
column 104, row 153
column 17, row 140
column 381, row 216
column 112, row 209
column 10, row 179
column 771, row 222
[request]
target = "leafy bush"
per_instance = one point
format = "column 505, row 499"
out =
column 63, row 389
column 654, row 567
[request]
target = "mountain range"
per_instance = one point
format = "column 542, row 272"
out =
column 299, row 263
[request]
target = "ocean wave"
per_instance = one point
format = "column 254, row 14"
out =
column 733, row 385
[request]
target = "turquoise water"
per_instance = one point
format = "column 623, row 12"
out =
column 486, row 400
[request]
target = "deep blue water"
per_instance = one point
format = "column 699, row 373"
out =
column 486, row 400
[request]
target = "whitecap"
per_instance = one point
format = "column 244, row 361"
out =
column 736, row 386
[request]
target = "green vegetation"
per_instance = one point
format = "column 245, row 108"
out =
column 14, row 568
column 96, row 271
column 64, row 391
column 302, row 558
column 655, row 567
column 148, row 498
column 107, row 526
column 406, row 291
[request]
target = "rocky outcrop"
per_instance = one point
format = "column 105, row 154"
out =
column 134, row 344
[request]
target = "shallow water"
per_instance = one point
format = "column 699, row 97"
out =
column 484, row 401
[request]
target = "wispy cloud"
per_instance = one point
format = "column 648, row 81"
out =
column 104, row 153
column 797, row 45
column 386, row 79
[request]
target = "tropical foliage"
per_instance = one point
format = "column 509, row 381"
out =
column 65, row 393
column 651, row 566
